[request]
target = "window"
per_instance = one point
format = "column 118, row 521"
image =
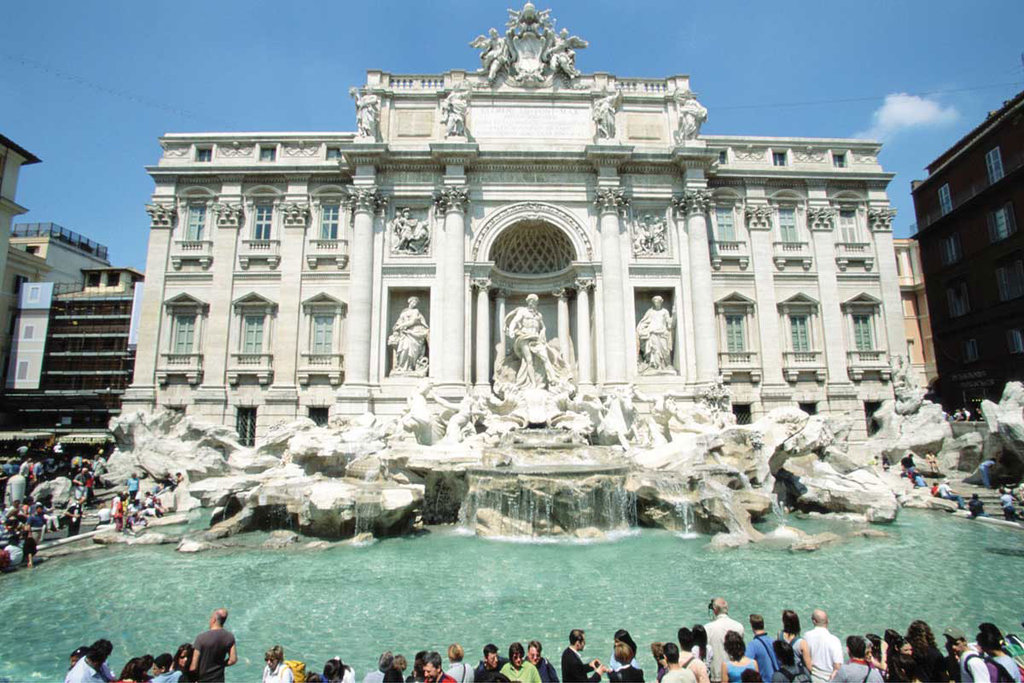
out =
column 184, row 333
column 268, row 153
column 333, row 153
column 1001, row 223
column 809, row 408
column 264, row 221
column 19, row 280
column 29, row 332
column 863, row 339
column 723, row 157
column 970, row 350
column 329, row 214
column 742, row 413
column 956, row 296
column 838, row 160
column 951, row 252
column 787, row 225
column 1015, row 340
column 735, row 340
column 204, row 154
column 23, row 369
column 323, row 334
column 33, row 293
column 994, row 165
column 945, row 201
column 32, row 249
column 1010, row 278
column 113, row 279
column 726, row 227
column 196, row 222
column 319, row 415
column 252, row 333
column 848, row 225
column 799, row 332
column 93, row 280
column 778, row 158
column 245, row 425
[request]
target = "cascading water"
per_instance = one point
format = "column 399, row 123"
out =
column 545, row 502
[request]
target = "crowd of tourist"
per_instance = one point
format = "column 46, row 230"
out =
column 719, row 651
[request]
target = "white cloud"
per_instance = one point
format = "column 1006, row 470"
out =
column 901, row 111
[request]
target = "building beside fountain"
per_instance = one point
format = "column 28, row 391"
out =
column 314, row 274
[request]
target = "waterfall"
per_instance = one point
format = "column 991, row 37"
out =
column 685, row 511
column 778, row 511
column 366, row 513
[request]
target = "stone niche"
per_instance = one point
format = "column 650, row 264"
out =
column 641, row 304
column 398, row 298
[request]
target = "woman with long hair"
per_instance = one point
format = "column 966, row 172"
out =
column 790, row 633
column 930, row 661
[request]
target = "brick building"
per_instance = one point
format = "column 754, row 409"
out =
column 972, row 255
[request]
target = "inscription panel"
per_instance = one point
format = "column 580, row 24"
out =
column 415, row 123
column 645, row 126
column 531, row 122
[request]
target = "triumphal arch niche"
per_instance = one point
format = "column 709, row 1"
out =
column 516, row 224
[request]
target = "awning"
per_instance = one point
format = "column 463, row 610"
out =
column 25, row 436
column 85, row 438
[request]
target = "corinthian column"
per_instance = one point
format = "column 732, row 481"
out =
column 366, row 202
column 609, row 203
column 694, row 206
column 583, row 287
column 562, row 297
column 452, row 201
column 483, row 332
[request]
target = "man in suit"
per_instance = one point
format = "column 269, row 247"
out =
column 574, row 669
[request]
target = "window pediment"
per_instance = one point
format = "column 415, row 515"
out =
column 735, row 303
column 183, row 302
column 324, row 302
column 862, row 301
column 798, row 303
column 254, row 302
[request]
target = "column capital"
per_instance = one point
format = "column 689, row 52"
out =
column 296, row 214
column 481, row 284
column 759, row 216
column 368, row 199
column 560, row 293
column 611, row 200
column 452, row 199
column 162, row 215
column 693, row 202
column 821, row 218
column 584, row 283
column 228, row 215
column 880, row 218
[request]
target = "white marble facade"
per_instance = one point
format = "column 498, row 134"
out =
column 280, row 266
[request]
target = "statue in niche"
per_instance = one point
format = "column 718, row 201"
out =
column 367, row 113
column 453, row 113
column 409, row 338
column 603, row 115
column 409, row 235
column 649, row 236
column 541, row 364
column 655, row 332
column 692, row 115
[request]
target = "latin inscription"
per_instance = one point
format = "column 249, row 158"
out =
column 415, row 123
column 530, row 122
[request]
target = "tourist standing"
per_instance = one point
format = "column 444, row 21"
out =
column 73, row 516
column 518, row 668
column 789, row 670
column 929, row 660
column 183, row 660
column 163, row 669
column 457, row 668
column 716, row 630
column 432, row 672
column 760, row 649
column 385, row 663
column 858, row 670
column 675, row 672
column 574, row 669
column 275, row 671
column 826, row 651
column 544, row 668
column 983, row 468
column 791, row 634
column 214, row 650
column 336, row 671
column 689, row 657
column 630, row 673
column 622, row 636
column 990, row 640
column 972, row 665
column 490, row 666
column 735, row 661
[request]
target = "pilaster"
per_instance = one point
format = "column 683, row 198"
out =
column 452, row 201
column 610, row 203
column 694, row 205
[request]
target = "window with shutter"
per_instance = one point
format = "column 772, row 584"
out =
column 734, row 338
column 184, row 333
column 798, row 329
column 945, row 200
column 862, row 337
column 252, row 334
column 726, row 227
column 323, row 333
column 848, row 226
column 787, row 225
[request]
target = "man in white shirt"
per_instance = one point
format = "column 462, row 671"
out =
column 826, row 651
column 716, row 630
column 92, row 667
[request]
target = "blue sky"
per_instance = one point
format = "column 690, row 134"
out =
column 89, row 87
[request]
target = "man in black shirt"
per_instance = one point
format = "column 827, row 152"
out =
column 214, row 650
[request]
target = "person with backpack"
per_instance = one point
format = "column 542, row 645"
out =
column 858, row 669
column 789, row 670
column 276, row 671
column 688, row 659
column 760, row 649
column 990, row 640
column 975, row 667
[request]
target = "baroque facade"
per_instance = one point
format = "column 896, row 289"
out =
column 316, row 274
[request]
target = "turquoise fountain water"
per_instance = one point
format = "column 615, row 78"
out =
column 429, row 591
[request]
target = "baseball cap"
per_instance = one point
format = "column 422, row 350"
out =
column 954, row 633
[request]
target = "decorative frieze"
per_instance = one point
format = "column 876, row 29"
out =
column 306, row 150
column 236, row 150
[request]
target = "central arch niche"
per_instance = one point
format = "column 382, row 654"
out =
column 532, row 247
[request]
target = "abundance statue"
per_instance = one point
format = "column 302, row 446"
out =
column 604, row 115
column 692, row 115
column 409, row 339
column 540, row 362
column 453, row 113
column 367, row 113
column 409, row 235
column 655, row 333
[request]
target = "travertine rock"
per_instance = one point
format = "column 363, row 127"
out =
column 55, row 492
